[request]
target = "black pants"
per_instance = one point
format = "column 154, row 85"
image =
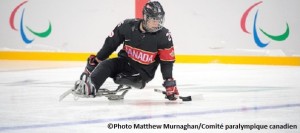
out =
column 110, row 68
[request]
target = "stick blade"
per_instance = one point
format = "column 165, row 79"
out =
column 187, row 98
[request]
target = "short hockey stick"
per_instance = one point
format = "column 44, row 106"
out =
column 187, row 98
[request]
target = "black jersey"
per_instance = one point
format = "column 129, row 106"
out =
column 144, row 51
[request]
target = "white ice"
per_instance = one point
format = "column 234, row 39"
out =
column 223, row 94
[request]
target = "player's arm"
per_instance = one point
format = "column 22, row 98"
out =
column 167, row 70
column 167, row 58
column 112, row 42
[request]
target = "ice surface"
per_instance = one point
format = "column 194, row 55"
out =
column 222, row 94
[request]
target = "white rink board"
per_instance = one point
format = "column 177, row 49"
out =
column 197, row 26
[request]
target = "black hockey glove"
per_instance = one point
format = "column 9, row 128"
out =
column 91, row 64
column 171, row 89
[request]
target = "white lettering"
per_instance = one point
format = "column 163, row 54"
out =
column 140, row 56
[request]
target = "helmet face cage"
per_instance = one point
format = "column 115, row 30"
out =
column 153, row 11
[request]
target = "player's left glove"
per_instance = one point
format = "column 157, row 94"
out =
column 171, row 89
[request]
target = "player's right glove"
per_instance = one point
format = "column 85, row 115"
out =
column 88, row 88
column 91, row 64
column 171, row 89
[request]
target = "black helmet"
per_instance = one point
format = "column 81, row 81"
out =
column 153, row 10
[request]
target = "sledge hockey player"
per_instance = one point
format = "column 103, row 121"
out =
column 146, row 44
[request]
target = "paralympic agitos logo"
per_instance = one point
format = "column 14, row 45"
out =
column 21, row 29
column 257, row 39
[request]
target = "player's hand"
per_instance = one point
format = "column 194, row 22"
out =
column 92, row 62
column 171, row 89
